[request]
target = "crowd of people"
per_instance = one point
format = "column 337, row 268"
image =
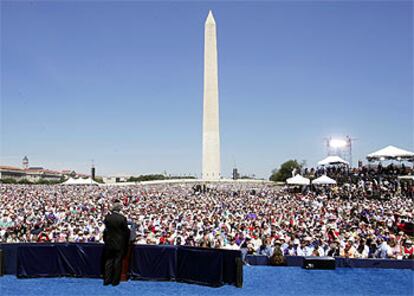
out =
column 369, row 181
column 260, row 219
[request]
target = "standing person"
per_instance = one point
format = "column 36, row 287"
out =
column 116, row 238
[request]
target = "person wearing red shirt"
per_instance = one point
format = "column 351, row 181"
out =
column 408, row 250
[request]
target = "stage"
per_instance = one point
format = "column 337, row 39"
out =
column 258, row 280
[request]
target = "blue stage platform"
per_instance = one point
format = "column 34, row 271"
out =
column 258, row 280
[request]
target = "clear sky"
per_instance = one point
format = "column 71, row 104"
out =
column 122, row 82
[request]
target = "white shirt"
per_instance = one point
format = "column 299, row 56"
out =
column 308, row 251
column 300, row 252
column 231, row 247
column 256, row 243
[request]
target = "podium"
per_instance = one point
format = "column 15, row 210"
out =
column 125, row 264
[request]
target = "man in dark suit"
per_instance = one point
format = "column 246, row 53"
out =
column 116, row 238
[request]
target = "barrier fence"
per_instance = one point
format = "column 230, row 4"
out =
column 213, row 267
column 339, row 262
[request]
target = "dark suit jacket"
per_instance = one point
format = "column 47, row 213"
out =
column 116, row 234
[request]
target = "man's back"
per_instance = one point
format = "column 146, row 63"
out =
column 116, row 237
column 116, row 234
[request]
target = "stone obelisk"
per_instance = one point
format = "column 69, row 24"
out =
column 211, row 128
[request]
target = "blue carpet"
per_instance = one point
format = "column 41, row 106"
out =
column 258, row 280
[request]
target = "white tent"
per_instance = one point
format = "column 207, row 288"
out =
column 70, row 181
column 324, row 180
column 298, row 180
column 330, row 160
column 90, row 181
column 407, row 177
column 80, row 181
column 391, row 152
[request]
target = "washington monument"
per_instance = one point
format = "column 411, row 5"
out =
column 211, row 128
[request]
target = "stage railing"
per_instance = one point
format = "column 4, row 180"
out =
column 153, row 262
column 213, row 267
column 339, row 262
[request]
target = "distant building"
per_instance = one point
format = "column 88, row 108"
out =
column 31, row 174
column 35, row 174
column 73, row 174
column 9, row 172
column 115, row 179
column 25, row 163
column 69, row 173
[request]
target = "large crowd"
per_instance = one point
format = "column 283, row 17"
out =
column 370, row 182
column 365, row 217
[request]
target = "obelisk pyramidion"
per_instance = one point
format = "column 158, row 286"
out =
column 211, row 129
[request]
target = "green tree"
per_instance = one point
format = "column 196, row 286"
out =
column 285, row 170
column 155, row 177
column 24, row 181
column 99, row 180
column 152, row 177
column 8, row 181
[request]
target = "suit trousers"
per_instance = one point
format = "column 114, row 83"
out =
column 112, row 267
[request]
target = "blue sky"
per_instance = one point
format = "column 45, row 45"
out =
column 121, row 82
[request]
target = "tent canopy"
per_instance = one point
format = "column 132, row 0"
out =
column 324, row 180
column 80, row 181
column 391, row 152
column 298, row 180
column 70, row 181
column 331, row 160
column 407, row 177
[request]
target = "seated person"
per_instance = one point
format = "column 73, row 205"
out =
column 277, row 258
column 265, row 249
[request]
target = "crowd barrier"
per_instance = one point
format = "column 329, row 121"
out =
column 339, row 262
column 213, row 267
column 185, row 264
